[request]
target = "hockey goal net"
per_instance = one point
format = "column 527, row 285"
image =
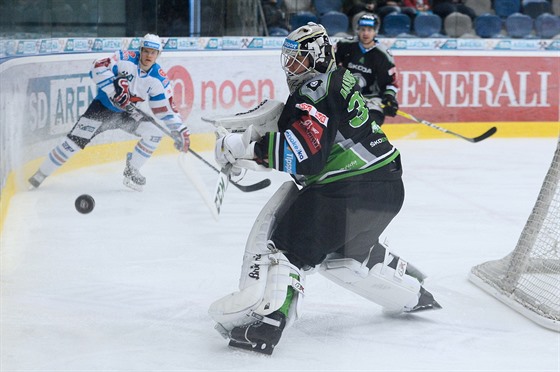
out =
column 528, row 279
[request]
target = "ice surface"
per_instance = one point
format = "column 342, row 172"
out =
column 127, row 287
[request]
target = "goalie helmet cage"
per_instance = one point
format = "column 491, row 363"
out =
column 528, row 279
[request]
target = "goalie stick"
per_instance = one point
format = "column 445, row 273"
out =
column 245, row 188
column 483, row 136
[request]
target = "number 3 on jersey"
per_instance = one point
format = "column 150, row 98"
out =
column 357, row 102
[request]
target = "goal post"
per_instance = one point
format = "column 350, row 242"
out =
column 528, row 279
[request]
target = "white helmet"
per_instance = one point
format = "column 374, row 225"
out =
column 369, row 20
column 151, row 41
column 312, row 42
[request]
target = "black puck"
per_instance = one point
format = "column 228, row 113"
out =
column 84, row 203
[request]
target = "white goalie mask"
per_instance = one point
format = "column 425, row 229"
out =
column 307, row 51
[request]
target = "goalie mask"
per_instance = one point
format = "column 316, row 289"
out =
column 306, row 52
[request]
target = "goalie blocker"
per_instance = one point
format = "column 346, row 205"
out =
column 271, row 288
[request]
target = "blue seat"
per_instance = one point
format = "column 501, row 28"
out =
column 519, row 25
column 395, row 24
column 505, row 8
column 535, row 8
column 335, row 22
column 301, row 18
column 488, row 25
column 278, row 31
column 325, row 6
column 547, row 25
column 426, row 25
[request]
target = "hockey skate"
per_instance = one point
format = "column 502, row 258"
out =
column 426, row 301
column 37, row 179
column 260, row 337
column 132, row 177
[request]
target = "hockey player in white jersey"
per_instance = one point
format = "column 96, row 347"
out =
column 124, row 79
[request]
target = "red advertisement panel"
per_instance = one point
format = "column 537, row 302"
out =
column 479, row 88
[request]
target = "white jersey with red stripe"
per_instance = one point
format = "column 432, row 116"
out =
column 152, row 86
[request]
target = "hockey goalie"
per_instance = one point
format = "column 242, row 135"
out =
column 347, row 188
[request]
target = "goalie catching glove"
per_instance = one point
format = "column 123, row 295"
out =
column 233, row 147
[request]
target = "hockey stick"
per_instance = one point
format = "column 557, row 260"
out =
column 245, row 188
column 483, row 136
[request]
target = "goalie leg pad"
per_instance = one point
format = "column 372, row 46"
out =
column 393, row 289
column 250, row 318
column 274, row 275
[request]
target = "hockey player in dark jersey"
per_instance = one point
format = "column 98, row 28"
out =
column 349, row 189
column 373, row 66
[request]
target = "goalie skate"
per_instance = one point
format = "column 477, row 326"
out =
column 260, row 337
column 132, row 177
column 426, row 301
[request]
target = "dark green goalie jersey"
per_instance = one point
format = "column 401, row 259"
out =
column 326, row 134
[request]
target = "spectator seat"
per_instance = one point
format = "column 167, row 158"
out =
column 301, row 18
column 427, row 24
column 556, row 7
column 480, row 7
column 535, row 8
column 335, row 22
column 488, row 26
column 457, row 24
column 547, row 25
column 277, row 31
column 395, row 24
column 325, row 6
column 296, row 6
column 505, row 8
column 519, row 25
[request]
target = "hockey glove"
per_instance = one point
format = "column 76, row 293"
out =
column 360, row 79
column 182, row 139
column 390, row 104
column 122, row 95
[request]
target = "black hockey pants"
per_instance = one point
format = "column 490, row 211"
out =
column 346, row 217
column 97, row 119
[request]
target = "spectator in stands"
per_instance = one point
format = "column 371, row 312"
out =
column 275, row 16
column 386, row 7
column 443, row 8
column 420, row 6
column 353, row 7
